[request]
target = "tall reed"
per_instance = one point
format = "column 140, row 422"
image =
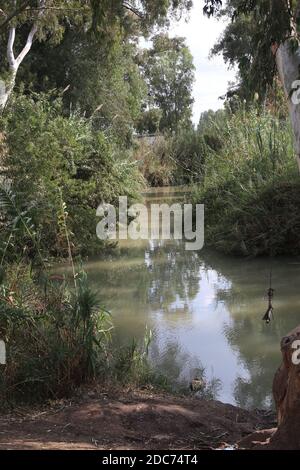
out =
column 251, row 188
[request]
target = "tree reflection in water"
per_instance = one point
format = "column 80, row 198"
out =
column 257, row 344
column 204, row 308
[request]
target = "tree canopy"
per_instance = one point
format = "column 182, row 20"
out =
column 169, row 72
column 247, row 41
column 23, row 21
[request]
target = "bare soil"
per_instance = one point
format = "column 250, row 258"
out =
column 133, row 420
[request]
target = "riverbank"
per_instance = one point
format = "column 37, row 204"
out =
column 140, row 419
column 250, row 186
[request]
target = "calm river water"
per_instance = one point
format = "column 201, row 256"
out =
column 203, row 308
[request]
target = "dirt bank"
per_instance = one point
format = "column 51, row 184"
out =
column 135, row 420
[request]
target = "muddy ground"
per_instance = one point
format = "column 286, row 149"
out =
column 133, row 420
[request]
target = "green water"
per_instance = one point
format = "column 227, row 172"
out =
column 204, row 308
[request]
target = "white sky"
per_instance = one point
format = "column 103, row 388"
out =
column 212, row 75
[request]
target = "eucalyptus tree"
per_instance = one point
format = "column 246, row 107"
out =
column 40, row 18
column 237, row 44
column 277, row 35
column 47, row 19
column 169, row 72
column 104, row 82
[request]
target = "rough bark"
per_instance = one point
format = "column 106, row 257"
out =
column 288, row 63
column 286, row 392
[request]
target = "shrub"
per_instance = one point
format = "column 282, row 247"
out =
column 188, row 153
column 172, row 159
column 56, row 338
column 251, row 190
column 47, row 152
column 153, row 155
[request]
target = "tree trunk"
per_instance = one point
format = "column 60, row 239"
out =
column 6, row 89
column 286, row 392
column 288, row 65
column 7, row 84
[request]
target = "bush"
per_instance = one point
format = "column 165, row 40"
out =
column 251, row 188
column 172, row 159
column 48, row 157
column 153, row 155
column 56, row 338
column 188, row 153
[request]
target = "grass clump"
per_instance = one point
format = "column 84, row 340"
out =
column 152, row 155
column 56, row 338
column 131, row 365
column 171, row 159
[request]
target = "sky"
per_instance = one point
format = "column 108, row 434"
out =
column 212, row 75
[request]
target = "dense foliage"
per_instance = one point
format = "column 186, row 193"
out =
column 72, row 93
column 49, row 158
column 250, row 188
column 255, row 29
column 169, row 73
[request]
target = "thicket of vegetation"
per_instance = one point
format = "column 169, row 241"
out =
column 74, row 91
column 49, row 159
column 172, row 159
column 59, row 337
column 250, row 185
column 86, row 116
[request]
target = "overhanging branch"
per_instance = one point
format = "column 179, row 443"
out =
column 17, row 12
column 10, row 47
column 133, row 10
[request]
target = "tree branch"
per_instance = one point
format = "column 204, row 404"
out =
column 15, row 63
column 133, row 10
column 27, row 46
column 10, row 47
column 15, row 13
column 53, row 9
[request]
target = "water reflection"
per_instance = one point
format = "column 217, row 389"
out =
column 204, row 309
column 257, row 344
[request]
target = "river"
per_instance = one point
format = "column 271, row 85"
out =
column 204, row 309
